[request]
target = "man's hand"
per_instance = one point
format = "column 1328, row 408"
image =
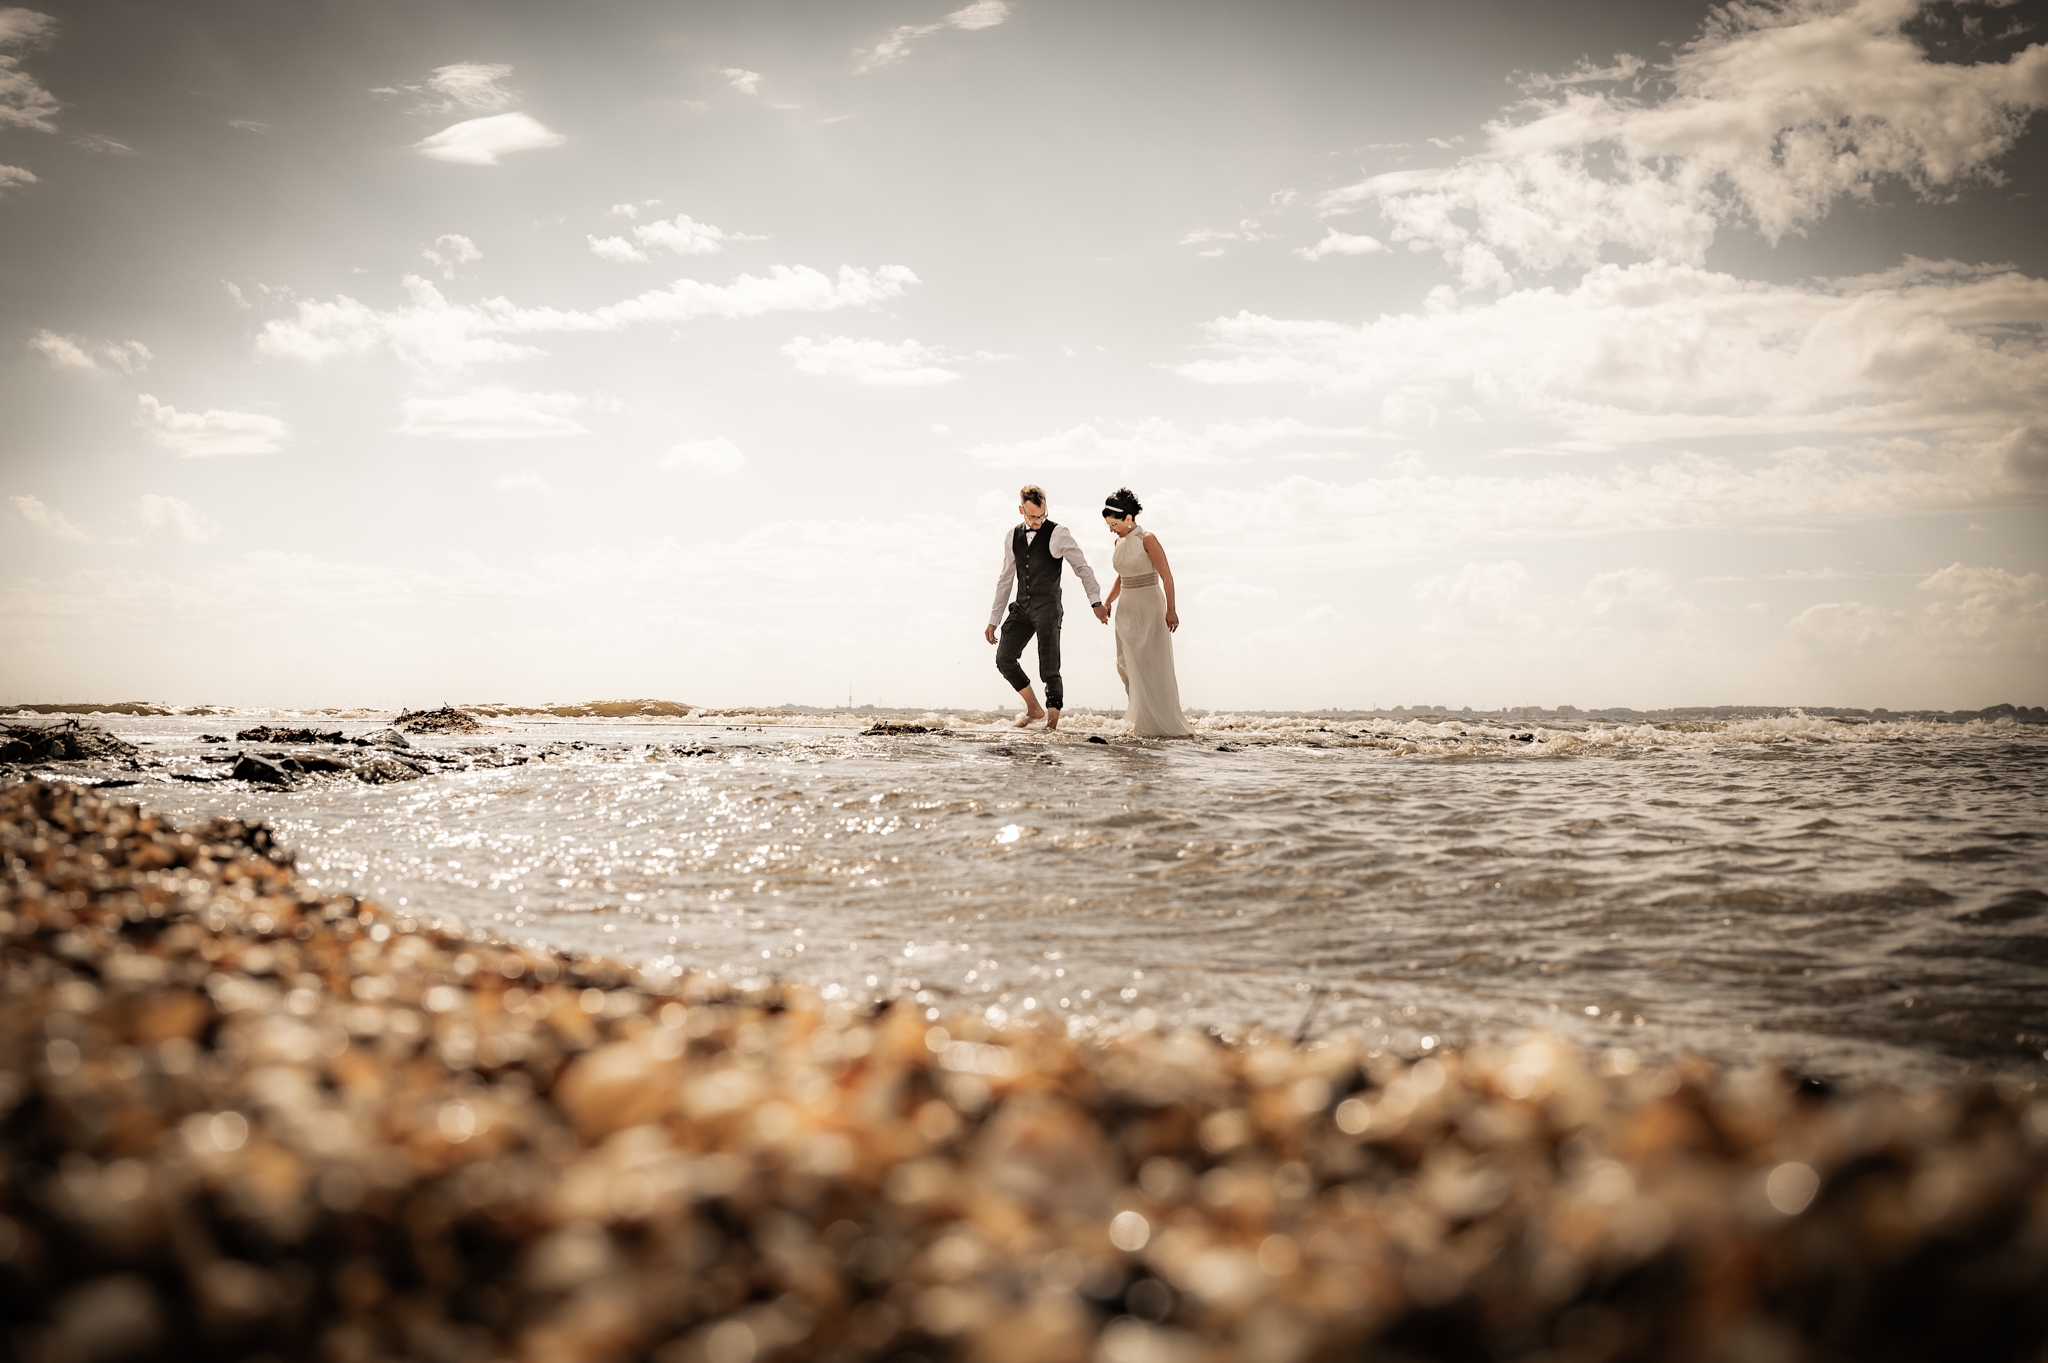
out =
column 989, row 634
column 1102, row 614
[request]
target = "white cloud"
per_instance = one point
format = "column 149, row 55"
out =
column 683, row 235
column 524, row 480
column 896, row 44
column 616, row 249
column 1658, row 351
column 1968, row 612
column 23, row 102
column 201, row 435
column 890, row 363
column 1477, row 594
column 1155, row 441
column 478, row 86
column 1773, row 114
column 472, row 85
column 171, row 518
column 76, row 352
column 249, row 125
column 481, row 141
column 434, row 335
column 745, row 81
column 1336, row 243
column 493, row 414
column 1978, row 610
column 455, row 251
column 10, row 176
column 687, row 237
column 1636, row 599
column 716, row 455
column 46, row 518
column 1247, row 230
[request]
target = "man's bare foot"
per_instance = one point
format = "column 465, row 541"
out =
column 1052, row 719
column 1028, row 718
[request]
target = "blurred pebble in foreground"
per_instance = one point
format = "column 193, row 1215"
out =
column 244, row 1120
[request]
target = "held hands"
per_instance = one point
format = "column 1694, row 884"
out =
column 1102, row 614
column 989, row 634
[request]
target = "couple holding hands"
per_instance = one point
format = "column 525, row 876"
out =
column 1141, row 599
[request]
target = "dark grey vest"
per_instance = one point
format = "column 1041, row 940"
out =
column 1038, row 572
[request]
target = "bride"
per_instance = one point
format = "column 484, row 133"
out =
column 1144, row 623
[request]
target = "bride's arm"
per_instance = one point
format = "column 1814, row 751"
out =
column 1158, row 557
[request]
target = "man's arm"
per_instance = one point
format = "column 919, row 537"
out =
column 1006, row 576
column 1065, row 546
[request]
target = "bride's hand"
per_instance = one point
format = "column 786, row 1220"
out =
column 1172, row 619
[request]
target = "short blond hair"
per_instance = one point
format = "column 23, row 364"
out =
column 1032, row 493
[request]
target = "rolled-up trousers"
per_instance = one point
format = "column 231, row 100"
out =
column 1018, row 626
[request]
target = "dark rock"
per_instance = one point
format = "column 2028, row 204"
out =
column 383, row 738
column 379, row 771
column 310, row 763
column 446, row 720
column 894, row 728
column 1098, row 738
column 262, row 771
column 69, row 741
column 214, row 738
column 265, row 734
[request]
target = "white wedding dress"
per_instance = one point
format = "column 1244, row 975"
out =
column 1144, row 646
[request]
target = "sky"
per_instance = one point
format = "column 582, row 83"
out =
column 1472, row 353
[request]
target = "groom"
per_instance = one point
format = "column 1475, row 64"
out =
column 1032, row 553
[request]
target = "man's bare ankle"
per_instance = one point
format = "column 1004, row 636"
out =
column 1052, row 717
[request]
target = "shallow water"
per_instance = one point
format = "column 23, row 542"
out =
column 1850, row 900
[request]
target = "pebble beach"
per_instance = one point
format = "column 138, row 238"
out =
column 246, row 1118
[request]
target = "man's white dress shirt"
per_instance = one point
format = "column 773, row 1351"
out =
column 1063, row 546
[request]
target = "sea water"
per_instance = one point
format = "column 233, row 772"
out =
column 1851, row 900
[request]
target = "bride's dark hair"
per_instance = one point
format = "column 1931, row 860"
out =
column 1124, row 500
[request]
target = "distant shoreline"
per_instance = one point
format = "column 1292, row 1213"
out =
column 673, row 711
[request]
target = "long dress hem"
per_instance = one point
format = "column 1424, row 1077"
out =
column 1144, row 646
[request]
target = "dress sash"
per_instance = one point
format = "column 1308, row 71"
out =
column 1141, row 580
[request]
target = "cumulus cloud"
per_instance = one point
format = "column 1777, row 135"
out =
column 1335, row 243
column 172, row 519
column 1772, row 115
column 46, row 518
column 902, row 364
column 481, row 141
column 896, row 45
column 1481, row 594
column 1977, row 610
column 1660, row 351
column 451, row 252
column 1158, row 441
column 477, row 86
column 745, row 81
column 1338, row 525
column 1963, row 612
column 434, row 335
column 683, row 235
column 717, row 455
column 1246, row 230
column 202, row 435
column 24, row 103
column 495, row 413
column 10, row 176
column 76, row 352
column 522, row 480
